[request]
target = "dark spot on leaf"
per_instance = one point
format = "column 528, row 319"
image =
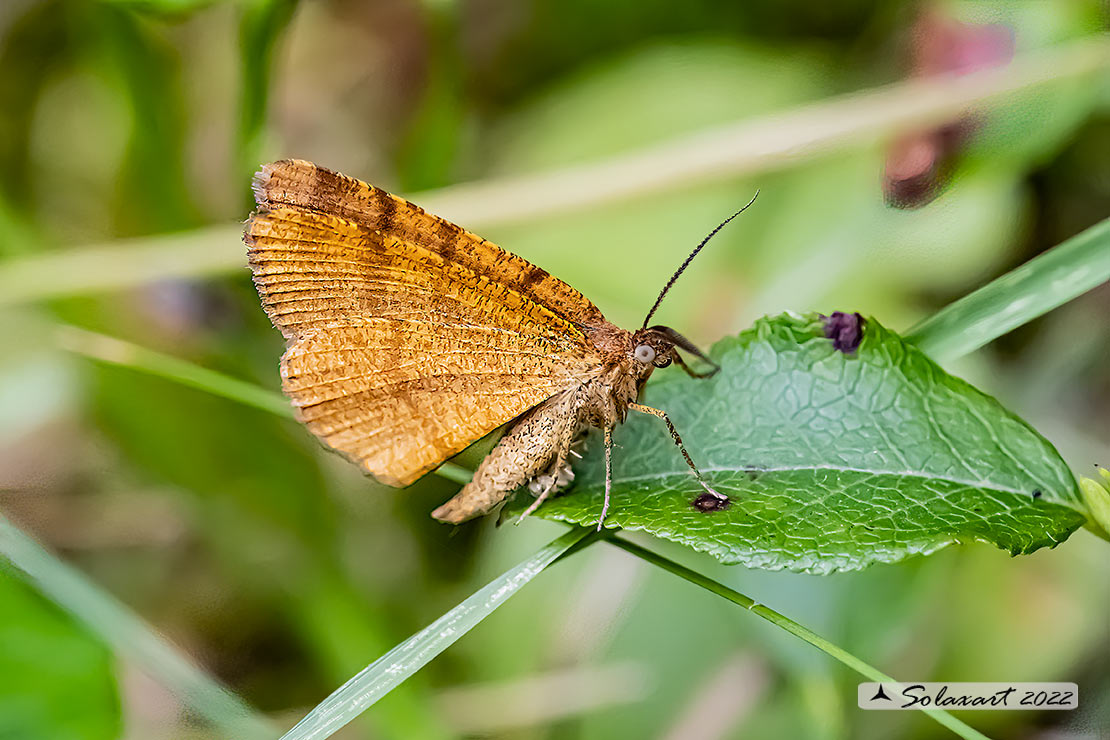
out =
column 753, row 473
column 845, row 330
column 708, row 502
column 1036, row 493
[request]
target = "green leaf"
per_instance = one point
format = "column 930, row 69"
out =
column 56, row 681
column 832, row 461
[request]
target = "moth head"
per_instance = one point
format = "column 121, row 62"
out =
column 652, row 348
column 657, row 346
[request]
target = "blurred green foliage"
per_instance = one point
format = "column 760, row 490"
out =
column 283, row 571
column 56, row 681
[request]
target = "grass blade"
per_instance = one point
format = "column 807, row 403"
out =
column 1062, row 273
column 785, row 623
column 385, row 673
column 103, row 348
column 121, row 264
column 130, row 637
column 775, row 141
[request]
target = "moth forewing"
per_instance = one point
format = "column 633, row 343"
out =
column 409, row 337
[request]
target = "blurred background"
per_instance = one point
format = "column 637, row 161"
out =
column 128, row 134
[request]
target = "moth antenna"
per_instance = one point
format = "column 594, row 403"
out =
column 690, row 259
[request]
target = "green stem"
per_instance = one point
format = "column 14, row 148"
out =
column 103, row 348
column 130, row 637
column 1064, row 272
column 787, row 624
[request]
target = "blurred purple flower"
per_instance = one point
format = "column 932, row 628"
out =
column 919, row 163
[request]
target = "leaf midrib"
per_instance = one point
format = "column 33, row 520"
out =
column 803, row 468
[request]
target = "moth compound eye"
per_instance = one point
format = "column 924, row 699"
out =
column 645, row 354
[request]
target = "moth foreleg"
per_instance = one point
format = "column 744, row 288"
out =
column 694, row 373
column 678, row 441
column 608, row 474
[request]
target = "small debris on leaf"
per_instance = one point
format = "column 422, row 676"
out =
column 845, row 330
column 708, row 502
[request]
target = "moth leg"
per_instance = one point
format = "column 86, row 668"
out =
column 608, row 474
column 678, row 441
column 691, row 371
column 548, row 490
column 543, row 434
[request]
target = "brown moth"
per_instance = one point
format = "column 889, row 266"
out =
column 410, row 338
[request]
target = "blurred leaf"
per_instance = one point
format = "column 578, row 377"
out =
column 56, row 681
column 557, row 35
column 427, row 154
column 765, row 143
column 37, row 43
column 259, row 32
column 832, row 461
column 154, row 190
column 170, row 7
column 210, row 438
column 387, row 672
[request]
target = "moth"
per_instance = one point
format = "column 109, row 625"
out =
column 409, row 338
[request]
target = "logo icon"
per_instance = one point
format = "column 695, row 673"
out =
column 880, row 694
